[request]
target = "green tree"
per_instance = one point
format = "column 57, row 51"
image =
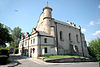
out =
column 16, row 35
column 94, row 48
column 5, row 36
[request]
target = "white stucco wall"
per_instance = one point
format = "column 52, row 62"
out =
column 50, row 50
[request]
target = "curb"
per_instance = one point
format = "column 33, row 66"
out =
column 39, row 61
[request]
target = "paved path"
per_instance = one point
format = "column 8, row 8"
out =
column 30, row 63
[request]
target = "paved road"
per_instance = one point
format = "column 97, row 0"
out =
column 29, row 63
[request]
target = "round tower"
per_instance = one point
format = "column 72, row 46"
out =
column 47, row 11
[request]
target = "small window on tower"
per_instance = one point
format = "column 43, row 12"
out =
column 77, row 38
column 60, row 35
column 69, row 36
column 45, row 40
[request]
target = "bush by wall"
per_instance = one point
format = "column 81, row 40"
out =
column 3, row 59
column 16, row 50
column 4, row 51
column 4, row 55
column 94, row 48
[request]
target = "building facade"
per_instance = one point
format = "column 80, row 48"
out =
column 53, row 37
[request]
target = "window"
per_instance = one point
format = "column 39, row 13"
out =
column 77, row 38
column 60, row 35
column 85, row 44
column 52, row 31
column 45, row 40
column 69, row 36
column 76, row 49
column 20, row 45
column 33, row 41
column 45, row 50
column 25, row 43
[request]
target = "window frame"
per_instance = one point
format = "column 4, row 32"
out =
column 45, row 40
column 60, row 33
column 34, row 41
column 69, row 36
column 45, row 50
column 77, row 38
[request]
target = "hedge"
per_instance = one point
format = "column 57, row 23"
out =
column 3, row 59
column 4, row 55
column 4, row 51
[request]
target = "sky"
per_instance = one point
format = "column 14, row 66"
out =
column 25, row 14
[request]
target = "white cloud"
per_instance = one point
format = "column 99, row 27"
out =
column 98, row 23
column 91, row 23
column 83, row 30
column 98, row 6
column 96, row 33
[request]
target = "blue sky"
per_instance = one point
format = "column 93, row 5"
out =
column 25, row 14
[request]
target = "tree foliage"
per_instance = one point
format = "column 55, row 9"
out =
column 16, row 35
column 5, row 35
column 94, row 48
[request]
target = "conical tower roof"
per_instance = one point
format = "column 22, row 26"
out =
column 47, row 7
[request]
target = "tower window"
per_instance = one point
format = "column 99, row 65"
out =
column 45, row 50
column 77, row 38
column 69, row 36
column 60, row 35
column 52, row 31
column 45, row 40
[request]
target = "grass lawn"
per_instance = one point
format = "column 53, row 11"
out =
column 59, row 56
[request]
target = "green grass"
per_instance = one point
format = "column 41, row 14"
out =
column 59, row 56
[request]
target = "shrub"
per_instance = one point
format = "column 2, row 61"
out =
column 4, row 51
column 98, row 57
column 4, row 54
column 3, row 59
column 94, row 48
column 16, row 50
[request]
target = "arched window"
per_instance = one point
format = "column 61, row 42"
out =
column 77, row 38
column 52, row 31
column 76, row 49
column 69, row 36
column 60, row 35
